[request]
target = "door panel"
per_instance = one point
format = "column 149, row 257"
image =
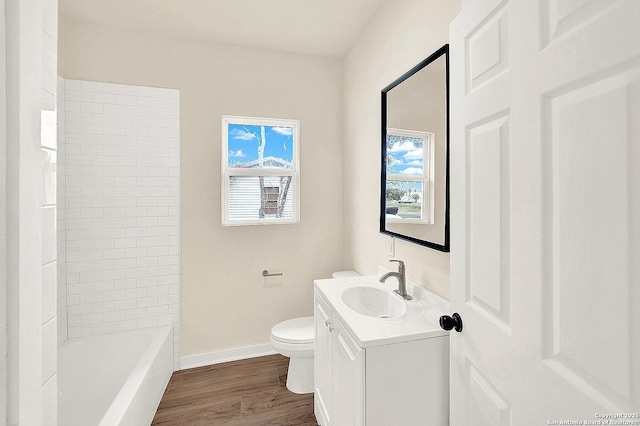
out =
column 545, row 197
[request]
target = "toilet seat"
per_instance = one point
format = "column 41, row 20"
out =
column 299, row 331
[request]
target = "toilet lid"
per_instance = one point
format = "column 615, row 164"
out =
column 296, row 330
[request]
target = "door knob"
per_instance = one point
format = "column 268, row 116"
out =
column 454, row 321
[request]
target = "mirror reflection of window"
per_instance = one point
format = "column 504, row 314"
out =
column 409, row 165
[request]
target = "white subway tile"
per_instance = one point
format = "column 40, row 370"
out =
column 90, row 319
column 136, row 313
column 125, row 325
column 124, row 100
column 126, row 283
column 104, row 98
column 169, row 103
column 124, row 181
column 145, row 302
column 158, row 251
column 114, row 170
column 114, row 316
column 148, row 222
column 136, row 131
column 114, row 129
column 113, row 274
column 135, row 272
column 123, row 305
column 171, row 123
column 114, row 295
column 125, row 120
column 146, row 101
column 77, row 95
column 137, row 90
column 146, row 322
column 116, row 254
column 82, row 331
column 101, row 243
column 168, row 319
column 90, row 234
column 124, row 243
column 72, row 277
column 147, row 282
column 79, row 117
column 105, row 265
column 136, row 252
column 157, row 271
column 102, row 328
column 102, row 307
column 124, row 222
column 91, row 86
column 89, row 298
column 168, row 260
column 90, row 277
column 115, row 109
column 77, row 310
column 73, row 321
column 89, row 255
column 118, row 89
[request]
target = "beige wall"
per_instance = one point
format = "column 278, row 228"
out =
column 399, row 36
column 225, row 302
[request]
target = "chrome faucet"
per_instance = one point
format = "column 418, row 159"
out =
column 402, row 280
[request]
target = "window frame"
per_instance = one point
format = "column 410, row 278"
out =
column 427, row 178
column 229, row 172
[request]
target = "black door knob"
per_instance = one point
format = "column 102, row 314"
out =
column 454, row 321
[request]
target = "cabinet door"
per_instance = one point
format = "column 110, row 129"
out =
column 322, row 363
column 348, row 379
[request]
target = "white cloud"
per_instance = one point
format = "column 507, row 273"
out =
column 415, row 154
column 415, row 163
column 242, row 135
column 412, row 171
column 286, row 131
column 402, row 147
column 237, row 153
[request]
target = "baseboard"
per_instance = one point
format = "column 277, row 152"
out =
column 210, row 358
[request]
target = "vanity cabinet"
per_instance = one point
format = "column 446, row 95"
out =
column 403, row 383
column 338, row 372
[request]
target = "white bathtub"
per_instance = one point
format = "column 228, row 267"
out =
column 114, row 379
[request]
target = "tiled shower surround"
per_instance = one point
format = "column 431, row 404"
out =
column 120, row 231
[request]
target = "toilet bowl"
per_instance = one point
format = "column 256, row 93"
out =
column 295, row 339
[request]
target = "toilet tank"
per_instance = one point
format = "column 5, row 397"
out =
column 345, row 274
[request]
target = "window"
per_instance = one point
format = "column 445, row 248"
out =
column 409, row 182
column 260, row 171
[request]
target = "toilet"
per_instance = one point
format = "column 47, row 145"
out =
column 294, row 338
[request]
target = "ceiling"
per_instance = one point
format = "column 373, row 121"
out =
column 316, row 27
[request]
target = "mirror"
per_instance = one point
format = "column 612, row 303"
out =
column 414, row 202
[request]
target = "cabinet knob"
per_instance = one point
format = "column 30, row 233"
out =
column 329, row 326
column 454, row 321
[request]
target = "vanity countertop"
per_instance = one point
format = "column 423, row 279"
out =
column 419, row 322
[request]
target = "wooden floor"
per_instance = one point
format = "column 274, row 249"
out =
column 247, row 392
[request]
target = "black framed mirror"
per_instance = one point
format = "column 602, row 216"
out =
column 414, row 201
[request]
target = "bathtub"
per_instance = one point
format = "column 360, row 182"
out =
column 114, row 379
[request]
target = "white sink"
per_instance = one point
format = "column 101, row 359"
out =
column 373, row 302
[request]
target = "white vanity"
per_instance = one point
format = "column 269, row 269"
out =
column 379, row 359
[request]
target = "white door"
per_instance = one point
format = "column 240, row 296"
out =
column 545, row 203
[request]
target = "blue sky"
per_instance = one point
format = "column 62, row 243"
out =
column 405, row 155
column 244, row 140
